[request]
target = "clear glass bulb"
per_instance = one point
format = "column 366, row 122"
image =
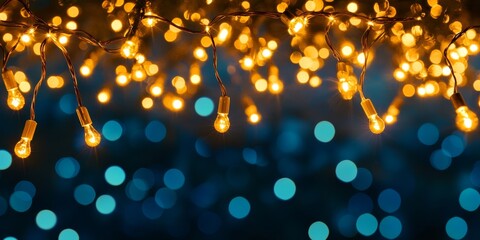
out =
column 466, row 120
column 22, row 148
column 15, row 99
column 92, row 136
column 296, row 25
column 347, row 87
column 222, row 123
column 376, row 124
column 129, row 49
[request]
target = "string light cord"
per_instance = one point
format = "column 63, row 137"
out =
column 43, row 75
column 335, row 53
column 445, row 54
column 366, row 48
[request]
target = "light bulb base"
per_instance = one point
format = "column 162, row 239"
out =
column 224, row 105
column 83, row 116
column 457, row 100
column 9, row 80
column 29, row 129
column 368, row 107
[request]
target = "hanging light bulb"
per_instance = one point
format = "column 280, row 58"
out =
column 92, row 136
column 297, row 25
column 347, row 82
column 466, row 120
column 129, row 49
column 375, row 123
column 22, row 148
column 15, row 99
column 222, row 123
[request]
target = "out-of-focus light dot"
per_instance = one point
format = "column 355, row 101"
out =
column 67, row 104
column 346, row 171
column 67, row 167
column 104, row 96
column 318, row 231
column 390, row 227
column 439, row 160
column 56, row 21
column 147, row 103
column 7, row 37
column 367, row 224
column 105, row 204
column 71, row 25
column 347, row 50
column 24, row 86
column 3, row 16
column 174, row 179
column 239, row 207
column 155, row 131
column 389, row 200
column 112, row 130
column 46, row 219
column 324, row 131
column 134, row 192
column 63, row 40
column 165, row 198
column 453, row 145
column 20, row 201
column 469, row 199
column 5, row 159
column 27, row 187
column 363, row 180
column 456, row 228
column 204, row 106
column 151, row 210
column 10, row 238
column 68, row 234
column 428, row 134
column 116, row 25
column 352, row 7
column 284, row 188
column 84, row 194
column 346, row 225
column 249, row 155
column 115, row 175
column 73, row 11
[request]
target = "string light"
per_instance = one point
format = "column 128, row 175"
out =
column 222, row 123
column 347, row 82
column 375, row 123
column 15, row 99
column 22, row 148
column 92, row 136
column 466, row 120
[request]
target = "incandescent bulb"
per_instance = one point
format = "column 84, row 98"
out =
column 15, row 99
column 222, row 123
column 296, row 25
column 92, row 136
column 466, row 120
column 375, row 123
column 129, row 49
column 347, row 87
column 22, row 148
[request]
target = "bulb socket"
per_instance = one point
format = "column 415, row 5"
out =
column 9, row 80
column 29, row 129
column 368, row 107
column 457, row 100
column 224, row 105
column 83, row 116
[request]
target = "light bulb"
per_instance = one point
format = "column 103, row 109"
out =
column 222, row 123
column 92, row 136
column 347, row 87
column 296, row 25
column 466, row 120
column 375, row 123
column 129, row 49
column 22, row 148
column 15, row 99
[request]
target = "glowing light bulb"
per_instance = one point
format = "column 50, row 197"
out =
column 375, row 123
column 92, row 136
column 15, row 99
column 347, row 82
column 22, row 148
column 222, row 123
column 129, row 49
column 466, row 120
column 297, row 25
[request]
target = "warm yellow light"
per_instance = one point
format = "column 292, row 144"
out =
column 149, row 21
column 71, row 25
column 177, row 104
column 222, row 123
column 129, row 49
column 254, row 118
column 390, row 119
column 466, row 120
column 92, row 136
column 24, row 86
column 104, row 96
column 275, row 86
column 55, row 82
column 473, row 48
column 200, row 54
column 85, row 70
column 261, row 85
column 63, row 39
column 375, row 123
column 347, row 87
column 352, row 7
column 138, row 73
column 15, row 99
column 116, row 25
column 22, row 148
column 399, row 75
column 247, row 63
column 147, row 103
column 122, row 79
column 303, row 76
column 3, row 16
column 73, row 12
column 297, row 25
column 26, row 38
column 347, row 50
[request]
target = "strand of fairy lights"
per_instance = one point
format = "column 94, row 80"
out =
column 348, row 84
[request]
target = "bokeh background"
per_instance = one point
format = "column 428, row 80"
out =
column 309, row 169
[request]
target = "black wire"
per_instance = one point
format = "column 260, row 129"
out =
column 42, row 77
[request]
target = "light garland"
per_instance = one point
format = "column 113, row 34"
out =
column 258, row 53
